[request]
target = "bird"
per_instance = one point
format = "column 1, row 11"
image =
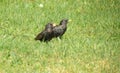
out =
column 60, row 29
column 47, row 34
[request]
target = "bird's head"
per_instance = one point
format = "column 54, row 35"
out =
column 64, row 21
column 49, row 26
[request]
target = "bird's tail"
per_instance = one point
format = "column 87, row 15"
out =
column 38, row 37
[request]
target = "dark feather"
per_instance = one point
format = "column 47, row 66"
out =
column 60, row 29
column 46, row 34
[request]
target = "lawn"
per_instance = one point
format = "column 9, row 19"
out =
column 91, row 43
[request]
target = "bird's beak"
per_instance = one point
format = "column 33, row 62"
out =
column 54, row 24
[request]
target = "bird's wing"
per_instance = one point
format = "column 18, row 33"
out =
column 57, row 29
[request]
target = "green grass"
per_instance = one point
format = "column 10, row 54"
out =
column 90, row 45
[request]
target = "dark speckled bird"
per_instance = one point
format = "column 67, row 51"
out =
column 60, row 29
column 46, row 35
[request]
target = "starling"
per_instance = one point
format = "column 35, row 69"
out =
column 60, row 29
column 47, row 34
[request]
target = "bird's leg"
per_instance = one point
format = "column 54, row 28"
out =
column 59, row 38
column 46, row 42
